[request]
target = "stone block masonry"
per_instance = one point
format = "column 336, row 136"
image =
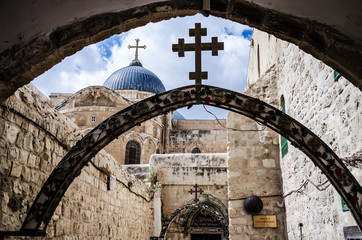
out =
column 330, row 108
column 33, row 139
column 253, row 169
column 207, row 135
column 178, row 173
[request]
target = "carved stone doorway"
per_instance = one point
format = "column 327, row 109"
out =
column 205, row 236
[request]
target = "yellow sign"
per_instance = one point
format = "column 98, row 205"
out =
column 265, row 221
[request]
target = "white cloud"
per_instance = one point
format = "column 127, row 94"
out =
column 91, row 66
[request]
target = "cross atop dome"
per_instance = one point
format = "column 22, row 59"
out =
column 135, row 77
column 136, row 47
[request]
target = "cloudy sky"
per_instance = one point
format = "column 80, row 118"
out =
column 93, row 64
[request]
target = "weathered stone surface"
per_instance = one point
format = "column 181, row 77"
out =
column 92, row 105
column 88, row 209
column 207, row 135
column 254, row 169
column 178, row 173
column 203, row 169
column 329, row 108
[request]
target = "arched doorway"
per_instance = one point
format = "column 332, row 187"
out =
column 206, row 219
column 71, row 165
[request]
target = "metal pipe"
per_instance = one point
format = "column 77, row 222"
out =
column 206, row 8
column 301, row 230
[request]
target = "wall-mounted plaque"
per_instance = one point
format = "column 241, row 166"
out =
column 265, row 221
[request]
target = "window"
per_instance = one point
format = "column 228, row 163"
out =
column 283, row 140
column 336, row 75
column 344, row 206
column 196, row 150
column 133, row 150
column 93, row 118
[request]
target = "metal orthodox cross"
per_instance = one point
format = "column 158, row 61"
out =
column 136, row 47
column 181, row 47
column 196, row 191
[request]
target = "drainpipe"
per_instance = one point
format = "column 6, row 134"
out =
column 164, row 134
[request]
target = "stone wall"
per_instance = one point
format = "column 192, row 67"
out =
column 177, row 173
column 28, row 154
column 332, row 109
column 207, row 135
column 253, row 170
column 90, row 106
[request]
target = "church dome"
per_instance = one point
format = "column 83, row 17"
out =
column 134, row 77
column 178, row 116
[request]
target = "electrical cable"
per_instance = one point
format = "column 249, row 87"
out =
column 320, row 187
column 233, row 129
column 66, row 148
column 125, row 185
column 266, row 196
column 358, row 158
column 10, row 109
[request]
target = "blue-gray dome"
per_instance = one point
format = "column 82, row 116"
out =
column 178, row 116
column 134, row 77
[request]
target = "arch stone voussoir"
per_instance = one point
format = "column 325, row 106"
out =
column 71, row 165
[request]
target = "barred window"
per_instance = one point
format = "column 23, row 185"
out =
column 133, row 151
column 196, row 150
column 93, row 118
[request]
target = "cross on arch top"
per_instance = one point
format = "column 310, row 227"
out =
column 197, row 190
column 181, row 47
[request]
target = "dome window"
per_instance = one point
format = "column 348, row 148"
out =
column 196, row 150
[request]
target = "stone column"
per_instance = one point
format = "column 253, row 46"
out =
column 157, row 224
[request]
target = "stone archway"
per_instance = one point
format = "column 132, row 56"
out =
column 194, row 209
column 72, row 164
column 219, row 215
column 27, row 52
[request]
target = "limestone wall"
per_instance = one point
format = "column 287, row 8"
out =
column 253, row 170
column 207, row 135
column 262, row 55
column 57, row 98
column 177, row 173
column 332, row 109
column 92, row 105
column 88, row 210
